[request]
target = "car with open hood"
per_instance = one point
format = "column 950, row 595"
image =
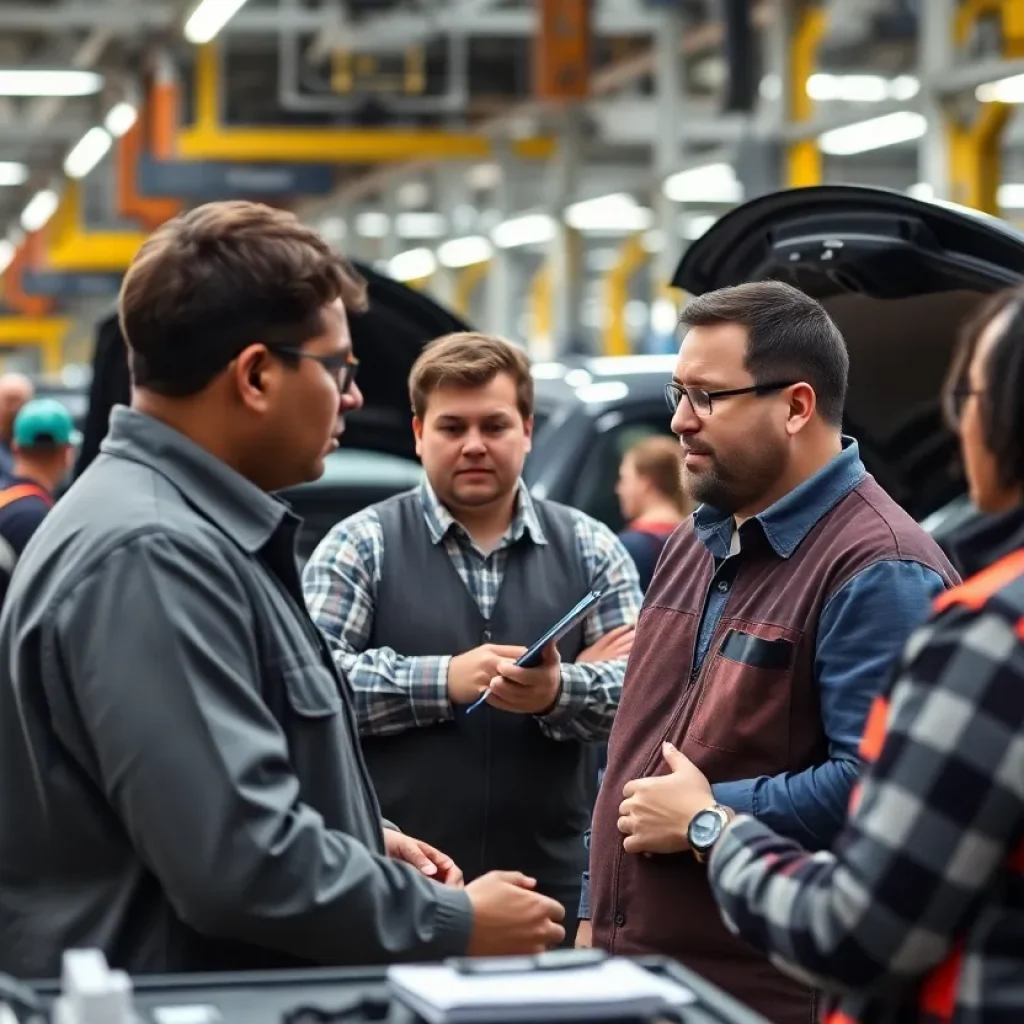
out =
column 899, row 276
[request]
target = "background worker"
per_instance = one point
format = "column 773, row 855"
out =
column 44, row 442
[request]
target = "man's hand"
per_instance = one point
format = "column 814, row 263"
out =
column 615, row 644
column 655, row 814
column 423, row 856
column 527, row 691
column 469, row 674
column 509, row 919
column 584, row 935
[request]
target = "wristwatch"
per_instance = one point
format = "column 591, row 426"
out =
column 705, row 828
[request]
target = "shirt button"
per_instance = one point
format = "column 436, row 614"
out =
column 486, row 636
column 723, row 586
column 620, row 919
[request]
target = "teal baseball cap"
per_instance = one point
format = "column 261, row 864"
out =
column 44, row 421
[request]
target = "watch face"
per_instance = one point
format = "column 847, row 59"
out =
column 704, row 829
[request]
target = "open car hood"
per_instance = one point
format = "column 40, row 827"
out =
column 386, row 339
column 899, row 276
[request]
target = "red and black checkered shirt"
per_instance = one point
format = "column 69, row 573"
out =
column 917, row 914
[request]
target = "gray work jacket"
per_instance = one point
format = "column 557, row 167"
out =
column 181, row 783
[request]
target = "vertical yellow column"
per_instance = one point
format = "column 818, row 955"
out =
column 803, row 158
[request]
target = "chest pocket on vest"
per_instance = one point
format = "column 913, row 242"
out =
column 744, row 704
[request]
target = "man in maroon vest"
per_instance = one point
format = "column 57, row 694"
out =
column 769, row 627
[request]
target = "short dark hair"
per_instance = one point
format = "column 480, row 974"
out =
column 1002, row 399
column 790, row 337
column 220, row 277
column 469, row 359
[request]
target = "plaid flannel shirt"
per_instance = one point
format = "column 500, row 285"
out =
column 393, row 692
column 917, row 915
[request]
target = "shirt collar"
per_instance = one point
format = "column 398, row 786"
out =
column 794, row 515
column 222, row 495
column 987, row 541
column 440, row 520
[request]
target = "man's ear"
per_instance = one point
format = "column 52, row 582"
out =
column 528, row 430
column 803, row 403
column 417, row 432
column 252, row 372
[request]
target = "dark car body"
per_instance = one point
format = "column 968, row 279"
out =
column 899, row 276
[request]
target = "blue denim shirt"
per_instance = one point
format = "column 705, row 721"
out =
column 861, row 631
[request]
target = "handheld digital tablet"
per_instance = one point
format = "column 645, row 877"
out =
column 531, row 659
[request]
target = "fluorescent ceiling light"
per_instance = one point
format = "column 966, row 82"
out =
column 664, row 316
column 712, row 183
column 12, row 173
column 1010, row 195
column 613, row 214
column 862, row 88
column 876, row 133
column 483, row 177
column 371, row 224
column 88, row 152
column 420, row 225
column 922, row 190
column 120, row 119
column 49, row 83
column 412, row 265
column 464, row 252
column 209, row 18
column 1005, row 90
column 39, row 209
column 7, row 250
column 530, row 229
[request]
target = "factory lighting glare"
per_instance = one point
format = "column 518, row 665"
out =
column 120, row 119
column 617, row 213
column 876, row 133
column 464, row 252
column 39, row 209
column 530, row 229
column 88, row 152
column 412, row 265
column 209, row 18
column 49, row 83
column 12, row 173
column 711, row 183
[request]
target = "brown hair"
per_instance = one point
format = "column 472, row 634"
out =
column 220, row 277
column 659, row 459
column 790, row 336
column 470, row 360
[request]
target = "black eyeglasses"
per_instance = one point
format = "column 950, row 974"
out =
column 702, row 402
column 342, row 366
column 954, row 401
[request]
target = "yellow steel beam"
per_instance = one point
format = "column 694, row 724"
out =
column 632, row 256
column 364, row 145
column 975, row 147
column 465, row 284
column 44, row 333
column 71, row 248
column 803, row 158
column 540, row 303
column 208, row 139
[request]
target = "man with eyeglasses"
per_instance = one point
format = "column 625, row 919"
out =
column 181, row 782
column 768, row 629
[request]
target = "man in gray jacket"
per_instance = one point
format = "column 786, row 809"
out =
column 181, row 783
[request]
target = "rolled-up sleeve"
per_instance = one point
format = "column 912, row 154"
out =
column 159, row 653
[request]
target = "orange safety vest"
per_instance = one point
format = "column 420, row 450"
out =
column 18, row 491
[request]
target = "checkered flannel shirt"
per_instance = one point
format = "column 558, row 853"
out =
column 392, row 692
column 917, row 915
